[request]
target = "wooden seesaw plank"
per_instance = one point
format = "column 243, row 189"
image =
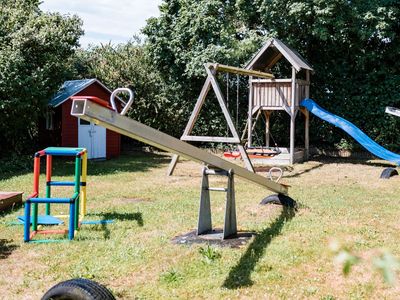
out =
column 90, row 111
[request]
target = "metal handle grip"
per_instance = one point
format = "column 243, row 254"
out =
column 275, row 169
column 127, row 104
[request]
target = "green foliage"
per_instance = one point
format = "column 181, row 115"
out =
column 347, row 260
column 387, row 265
column 352, row 45
column 385, row 262
column 209, row 254
column 15, row 164
column 34, row 51
column 126, row 65
column 185, row 36
column 171, row 277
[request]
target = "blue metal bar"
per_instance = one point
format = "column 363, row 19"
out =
column 64, row 183
column 71, row 221
column 63, row 151
column 61, row 183
column 52, row 200
column 27, row 223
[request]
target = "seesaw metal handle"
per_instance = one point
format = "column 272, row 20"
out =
column 127, row 105
column 275, row 169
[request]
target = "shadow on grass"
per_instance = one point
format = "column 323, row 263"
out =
column 6, row 248
column 239, row 275
column 136, row 216
column 11, row 209
column 368, row 161
column 117, row 216
column 297, row 174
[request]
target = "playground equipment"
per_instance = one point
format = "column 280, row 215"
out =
column 88, row 110
column 390, row 172
column 77, row 202
column 266, row 95
column 352, row 130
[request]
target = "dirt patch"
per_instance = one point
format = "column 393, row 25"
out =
column 214, row 238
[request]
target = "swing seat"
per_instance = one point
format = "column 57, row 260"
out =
column 254, row 153
column 232, row 154
column 262, row 152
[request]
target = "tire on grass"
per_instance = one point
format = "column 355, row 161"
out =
column 279, row 199
column 388, row 172
column 78, row 289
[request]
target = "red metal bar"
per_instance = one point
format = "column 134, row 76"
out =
column 33, row 195
column 49, row 160
column 40, row 153
column 59, row 231
column 36, row 171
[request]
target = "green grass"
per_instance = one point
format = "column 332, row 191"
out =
column 289, row 258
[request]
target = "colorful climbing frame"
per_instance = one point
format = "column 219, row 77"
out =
column 77, row 202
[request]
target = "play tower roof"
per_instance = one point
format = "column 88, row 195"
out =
column 272, row 51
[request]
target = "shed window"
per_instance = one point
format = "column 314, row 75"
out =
column 83, row 122
column 50, row 119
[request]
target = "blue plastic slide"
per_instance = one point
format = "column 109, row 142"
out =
column 352, row 130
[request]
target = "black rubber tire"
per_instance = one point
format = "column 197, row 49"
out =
column 388, row 172
column 78, row 289
column 279, row 199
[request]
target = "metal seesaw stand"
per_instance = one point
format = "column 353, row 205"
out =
column 88, row 110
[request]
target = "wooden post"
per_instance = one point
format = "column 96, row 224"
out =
column 293, row 116
column 193, row 118
column 307, row 120
column 267, row 132
column 250, row 114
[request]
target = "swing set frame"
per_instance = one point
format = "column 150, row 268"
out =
column 212, row 83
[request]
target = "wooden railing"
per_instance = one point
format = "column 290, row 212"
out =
column 275, row 94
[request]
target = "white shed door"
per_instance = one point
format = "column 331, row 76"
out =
column 93, row 138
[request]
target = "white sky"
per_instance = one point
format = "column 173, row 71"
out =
column 107, row 20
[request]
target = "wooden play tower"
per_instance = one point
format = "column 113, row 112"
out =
column 266, row 95
column 269, row 95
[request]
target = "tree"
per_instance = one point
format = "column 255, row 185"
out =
column 352, row 45
column 35, row 48
column 126, row 65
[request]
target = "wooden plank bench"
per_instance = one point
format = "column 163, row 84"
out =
column 9, row 199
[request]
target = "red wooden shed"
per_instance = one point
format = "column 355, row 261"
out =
column 64, row 130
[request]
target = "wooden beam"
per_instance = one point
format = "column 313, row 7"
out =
column 199, row 104
column 307, row 120
column 267, row 128
column 240, row 71
column 293, row 116
column 250, row 114
column 212, row 139
column 92, row 112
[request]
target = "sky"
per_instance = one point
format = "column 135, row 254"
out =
column 107, row 20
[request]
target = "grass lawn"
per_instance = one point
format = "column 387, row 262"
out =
column 289, row 258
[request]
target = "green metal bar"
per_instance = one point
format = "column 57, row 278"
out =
column 34, row 216
column 49, row 167
column 48, row 195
